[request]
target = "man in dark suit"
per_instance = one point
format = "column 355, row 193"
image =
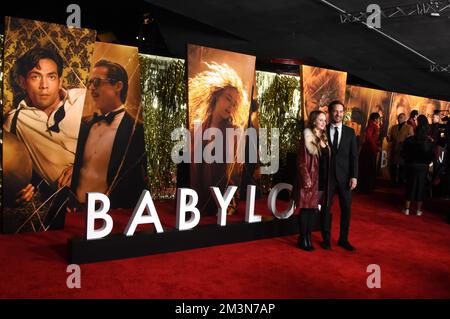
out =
column 110, row 153
column 343, row 175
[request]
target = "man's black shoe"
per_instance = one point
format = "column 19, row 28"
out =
column 325, row 245
column 346, row 245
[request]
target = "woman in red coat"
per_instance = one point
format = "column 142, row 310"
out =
column 369, row 151
column 313, row 160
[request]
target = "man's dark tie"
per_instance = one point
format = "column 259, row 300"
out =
column 59, row 116
column 336, row 138
column 107, row 118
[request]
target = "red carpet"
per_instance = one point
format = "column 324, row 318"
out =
column 413, row 253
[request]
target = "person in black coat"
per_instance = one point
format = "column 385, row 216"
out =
column 110, row 155
column 344, row 174
column 418, row 152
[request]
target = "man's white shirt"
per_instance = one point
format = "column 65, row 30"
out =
column 333, row 130
column 50, row 152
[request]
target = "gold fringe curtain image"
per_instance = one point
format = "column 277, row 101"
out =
column 279, row 106
column 163, row 85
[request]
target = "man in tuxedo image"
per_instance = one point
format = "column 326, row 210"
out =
column 110, row 153
column 343, row 175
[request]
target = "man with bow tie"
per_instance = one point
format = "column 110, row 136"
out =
column 47, row 120
column 110, row 153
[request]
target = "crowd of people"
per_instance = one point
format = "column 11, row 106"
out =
column 415, row 156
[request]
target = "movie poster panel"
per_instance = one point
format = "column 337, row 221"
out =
column 320, row 87
column 405, row 103
column 45, row 70
column 444, row 108
column 110, row 156
column 219, row 98
column 360, row 103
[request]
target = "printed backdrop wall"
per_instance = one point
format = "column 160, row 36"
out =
column 361, row 101
column 320, row 87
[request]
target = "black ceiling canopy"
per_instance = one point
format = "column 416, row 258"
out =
column 311, row 31
column 396, row 58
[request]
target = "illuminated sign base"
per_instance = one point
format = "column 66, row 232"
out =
column 144, row 243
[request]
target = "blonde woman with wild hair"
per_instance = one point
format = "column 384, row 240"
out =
column 217, row 99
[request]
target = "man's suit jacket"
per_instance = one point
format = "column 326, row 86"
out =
column 345, row 161
column 131, row 179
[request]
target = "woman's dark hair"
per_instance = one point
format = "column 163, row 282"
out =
column 413, row 113
column 116, row 73
column 374, row 116
column 423, row 128
column 31, row 58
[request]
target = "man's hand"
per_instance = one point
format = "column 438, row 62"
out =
column 71, row 205
column 353, row 183
column 66, row 177
column 71, row 210
column 25, row 194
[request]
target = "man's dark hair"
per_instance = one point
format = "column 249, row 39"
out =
column 374, row 116
column 116, row 73
column 413, row 113
column 333, row 104
column 31, row 59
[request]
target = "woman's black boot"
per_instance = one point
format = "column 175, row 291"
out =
column 302, row 242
